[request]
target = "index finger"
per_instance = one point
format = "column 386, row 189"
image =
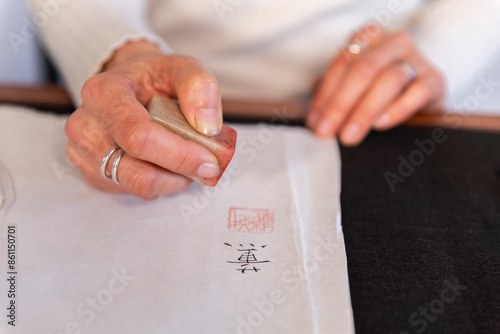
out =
column 357, row 80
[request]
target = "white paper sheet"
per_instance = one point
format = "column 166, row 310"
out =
column 91, row 262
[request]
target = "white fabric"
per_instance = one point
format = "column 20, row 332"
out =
column 270, row 48
column 103, row 263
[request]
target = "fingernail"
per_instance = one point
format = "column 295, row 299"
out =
column 382, row 120
column 208, row 121
column 208, row 170
column 325, row 128
column 351, row 132
column 313, row 118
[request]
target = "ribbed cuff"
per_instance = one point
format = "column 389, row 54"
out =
column 83, row 34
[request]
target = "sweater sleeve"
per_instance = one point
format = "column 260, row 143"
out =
column 81, row 35
column 461, row 38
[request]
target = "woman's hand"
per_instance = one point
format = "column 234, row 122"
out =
column 373, row 88
column 113, row 113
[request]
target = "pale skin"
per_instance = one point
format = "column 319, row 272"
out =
column 370, row 90
column 356, row 94
column 113, row 112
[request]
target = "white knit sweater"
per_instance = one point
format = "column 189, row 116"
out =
column 266, row 49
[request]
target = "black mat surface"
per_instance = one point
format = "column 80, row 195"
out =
column 424, row 258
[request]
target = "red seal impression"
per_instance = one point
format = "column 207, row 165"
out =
column 250, row 220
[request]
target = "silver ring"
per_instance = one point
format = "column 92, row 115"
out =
column 114, row 170
column 409, row 70
column 104, row 163
column 357, row 46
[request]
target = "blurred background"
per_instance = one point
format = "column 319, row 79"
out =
column 23, row 61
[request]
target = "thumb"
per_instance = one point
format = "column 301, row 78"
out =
column 198, row 93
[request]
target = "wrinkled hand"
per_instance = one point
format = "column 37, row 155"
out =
column 371, row 89
column 113, row 113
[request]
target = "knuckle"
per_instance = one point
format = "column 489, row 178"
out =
column 201, row 78
column 76, row 133
column 185, row 63
column 180, row 161
column 336, row 111
column 143, row 185
column 396, row 79
column 91, row 87
column 85, row 137
column 90, row 140
column 365, row 67
column 72, row 125
column 404, row 37
column 95, row 135
column 336, row 106
column 136, row 140
column 85, row 146
column 363, row 115
column 73, row 157
column 343, row 61
column 109, row 122
column 424, row 90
